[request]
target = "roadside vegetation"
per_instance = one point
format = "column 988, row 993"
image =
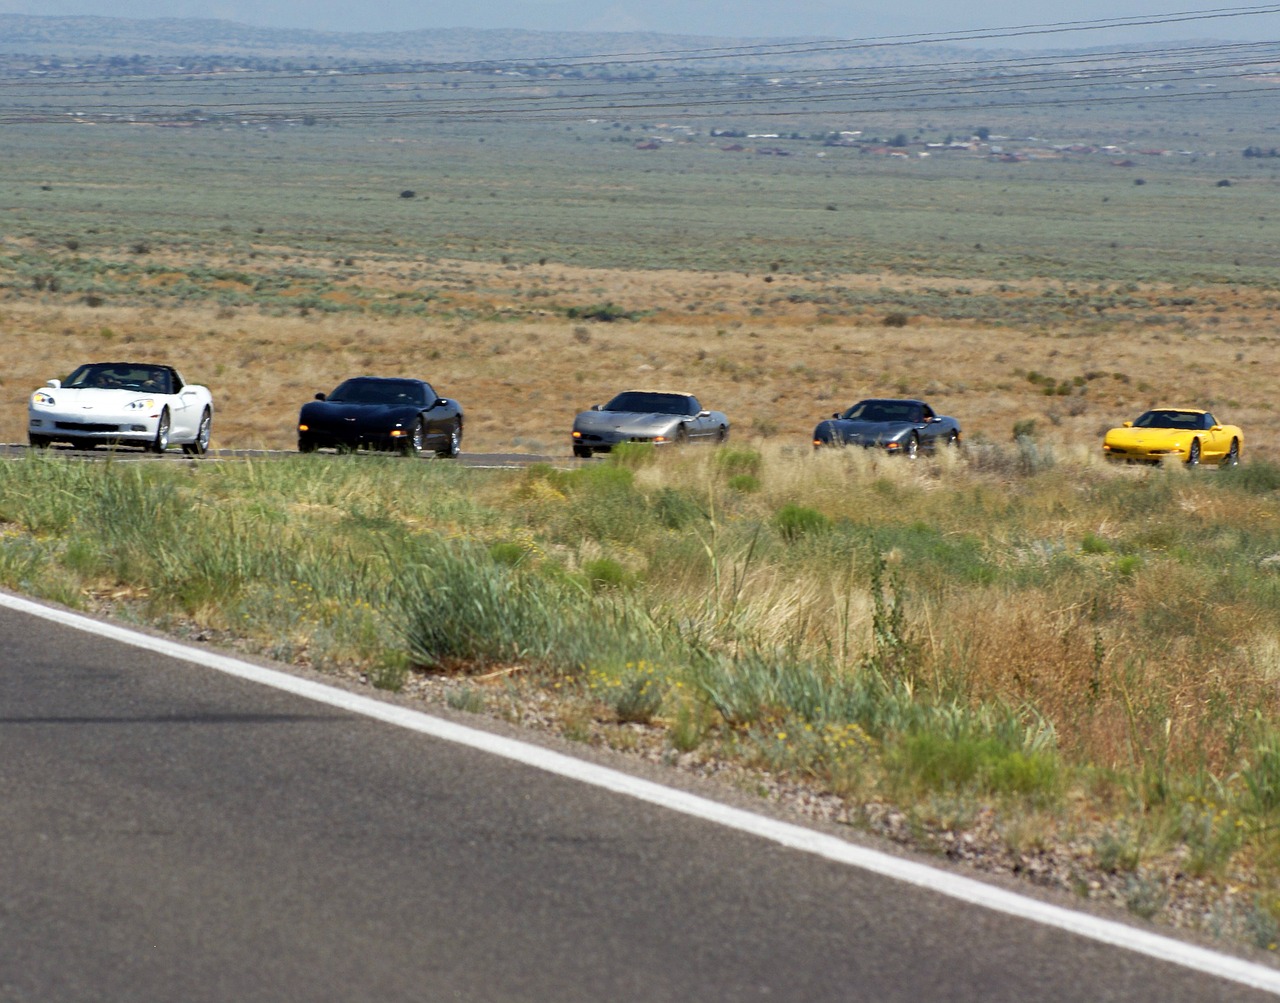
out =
column 1065, row 653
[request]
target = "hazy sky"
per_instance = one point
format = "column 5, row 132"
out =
column 734, row 18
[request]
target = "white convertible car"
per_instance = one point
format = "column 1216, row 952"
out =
column 122, row 403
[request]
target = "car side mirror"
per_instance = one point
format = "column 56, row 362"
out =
column 1128, row 424
column 704, row 414
column 319, row 397
column 53, row 383
column 1216, row 428
column 440, row 402
column 595, row 407
column 835, row 414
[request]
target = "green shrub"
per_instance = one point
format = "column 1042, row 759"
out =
column 508, row 553
column 605, row 312
column 736, row 460
column 973, row 762
column 632, row 454
column 794, row 522
column 635, row 694
column 1262, row 777
column 1093, row 544
column 606, row 573
column 674, row 508
column 1259, row 478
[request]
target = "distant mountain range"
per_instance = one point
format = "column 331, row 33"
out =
column 78, row 36
column 24, row 35
column 83, row 37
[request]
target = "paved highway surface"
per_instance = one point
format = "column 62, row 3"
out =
column 170, row 832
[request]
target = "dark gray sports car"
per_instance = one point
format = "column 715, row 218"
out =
column 898, row 426
column 646, row 416
column 382, row 413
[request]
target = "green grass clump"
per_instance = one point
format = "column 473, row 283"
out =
column 939, row 762
column 795, row 522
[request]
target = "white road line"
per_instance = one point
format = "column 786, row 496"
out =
column 796, row 837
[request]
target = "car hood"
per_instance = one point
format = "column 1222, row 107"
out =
column 341, row 410
column 1148, row 437
column 95, row 398
column 872, row 430
column 630, row 422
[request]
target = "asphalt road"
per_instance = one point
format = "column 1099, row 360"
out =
column 169, row 832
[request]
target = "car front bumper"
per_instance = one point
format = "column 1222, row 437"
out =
column 105, row 426
column 602, row 442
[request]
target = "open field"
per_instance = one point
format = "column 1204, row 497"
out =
column 776, row 356
column 1016, row 655
column 271, row 260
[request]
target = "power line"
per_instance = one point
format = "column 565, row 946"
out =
column 1040, row 79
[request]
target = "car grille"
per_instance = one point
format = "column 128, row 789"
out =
column 86, row 426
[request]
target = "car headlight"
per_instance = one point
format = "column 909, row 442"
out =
column 42, row 398
column 140, row 405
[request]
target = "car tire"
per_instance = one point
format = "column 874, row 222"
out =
column 1193, row 454
column 682, row 436
column 723, row 434
column 911, row 449
column 953, row 440
column 412, row 445
column 582, row 452
column 38, row 441
column 161, row 442
column 453, row 444
column 1232, row 459
column 306, row 445
column 200, row 444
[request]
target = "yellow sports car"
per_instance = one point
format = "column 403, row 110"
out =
column 1177, row 434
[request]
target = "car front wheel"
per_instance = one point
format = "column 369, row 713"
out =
column 453, row 445
column 161, row 442
column 38, row 441
column 911, row 448
column 1193, row 455
column 413, row 444
column 200, row 444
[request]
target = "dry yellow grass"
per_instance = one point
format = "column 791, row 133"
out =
column 774, row 362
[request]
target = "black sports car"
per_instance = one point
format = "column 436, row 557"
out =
column 382, row 413
column 898, row 426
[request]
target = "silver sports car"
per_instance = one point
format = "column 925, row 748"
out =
column 646, row 416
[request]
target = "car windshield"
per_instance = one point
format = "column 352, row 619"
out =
column 883, row 411
column 367, row 391
column 122, row 376
column 1162, row 418
column 640, row 402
